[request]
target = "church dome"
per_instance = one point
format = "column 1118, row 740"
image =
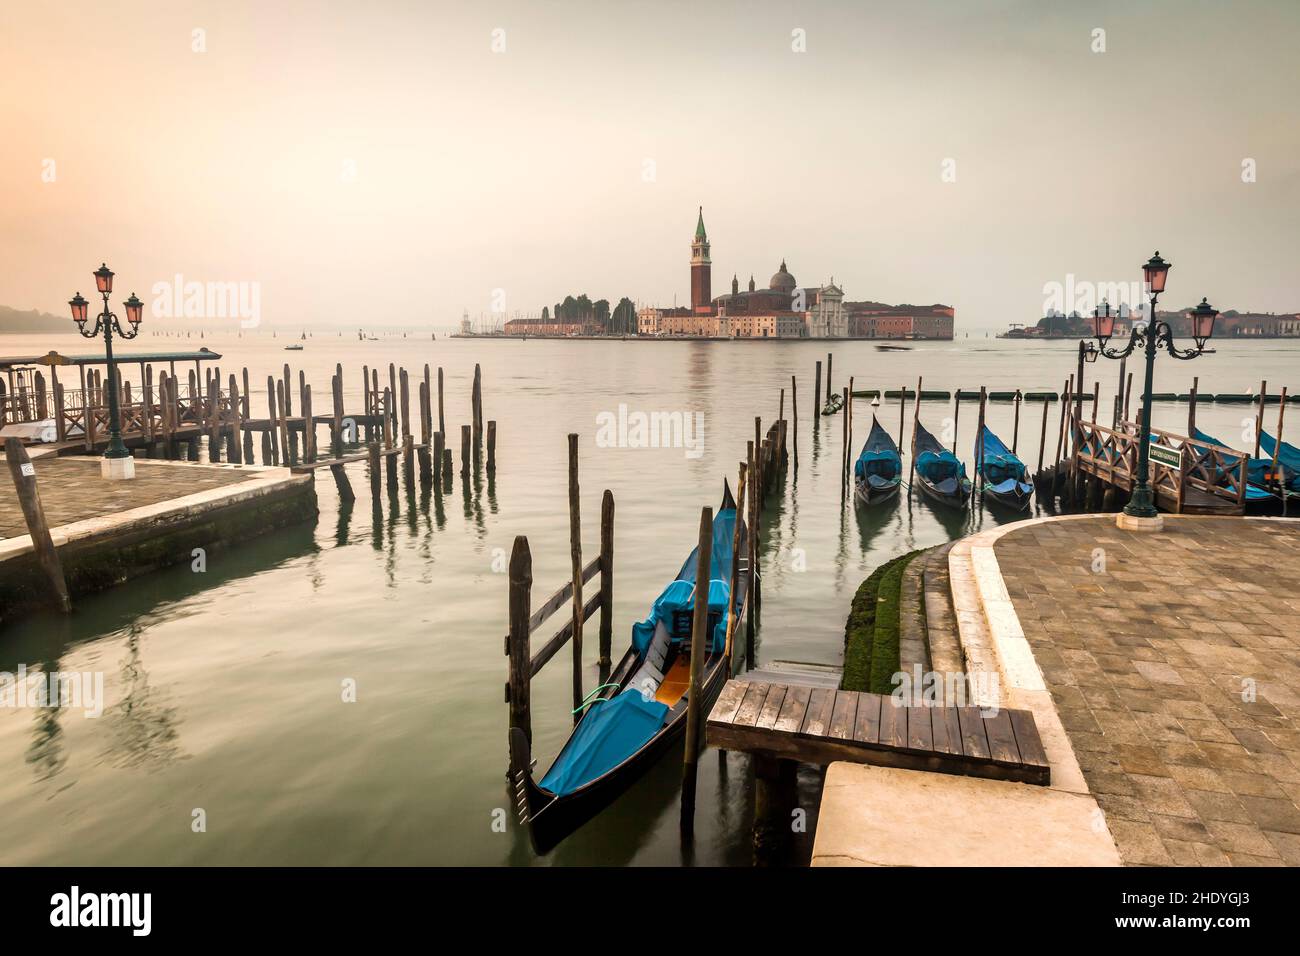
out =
column 782, row 281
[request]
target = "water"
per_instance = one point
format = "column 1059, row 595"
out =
column 223, row 689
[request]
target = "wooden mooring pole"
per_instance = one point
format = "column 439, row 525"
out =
column 794, row 416
column 606, row 570
column 519, row 686
column 575, row 554
column 699, row 636
column 23, row 473
column 817, row 394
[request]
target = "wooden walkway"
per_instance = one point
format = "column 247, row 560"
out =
column 819, row 725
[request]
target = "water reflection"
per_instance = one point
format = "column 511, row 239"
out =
column 143, row 724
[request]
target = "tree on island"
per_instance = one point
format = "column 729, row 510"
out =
column 623, row 321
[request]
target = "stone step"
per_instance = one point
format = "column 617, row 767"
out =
column 942, row 640
column 913, row 648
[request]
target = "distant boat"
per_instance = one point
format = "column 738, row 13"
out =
column 893, row 348
column 1004, row 475
column 833, row 404
column 941, row 476
column 293, row 348
column 879, row 468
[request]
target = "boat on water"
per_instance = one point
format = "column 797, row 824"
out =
column 1259, row 471
column 893, row 348
column 1288, row 462
column 293, row 348
column 833, row 404
column 879, row 469
column 940, row 475
column 640, row 712
column 1004, row 476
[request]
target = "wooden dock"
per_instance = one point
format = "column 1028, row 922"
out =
column 818, row 725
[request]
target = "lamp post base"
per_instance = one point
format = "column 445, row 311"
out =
column 117, row 469
column 1127, row 522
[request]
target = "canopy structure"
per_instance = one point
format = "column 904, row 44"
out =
column 126, row 358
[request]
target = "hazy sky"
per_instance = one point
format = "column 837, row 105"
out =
column 378, row 163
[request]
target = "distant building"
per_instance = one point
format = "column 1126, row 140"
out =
column 875, row 320
column 826, row 318
column 545, row 327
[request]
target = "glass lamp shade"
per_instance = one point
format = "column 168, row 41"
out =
column 133, row 309
column 78, row 306
column 1154, row 273
column 1104, row 323
column 1203, row 317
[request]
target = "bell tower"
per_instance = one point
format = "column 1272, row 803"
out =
column 701, row 267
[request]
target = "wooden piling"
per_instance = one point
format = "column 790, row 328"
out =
column 1259, row 417
column 23, row 473
column 979, row 443
column 442, row 421
column 699, row 639
column 373, row 450
column 518, row 688
column 1015, row 429
column 235, row 438
column 1191, row 407
column 308, row 425
column 465, row 441
column 829, row 365
column 606, row 566
column 844, row 464
column 1042, row 438
column 336, row 395
column 272, row 418
column 282, row 400
column 477, row 402
column 794, row 417
column 575, row 554
column 729, row 650
column 438, row 444
column 817, row 394
column 1279, row 484
column 426, row 408
column 956, row 416
column 492, row 446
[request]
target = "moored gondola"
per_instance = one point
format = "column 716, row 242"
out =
column 939, row 474
column 640, row 712
column 879, row 469
column 1004, row 477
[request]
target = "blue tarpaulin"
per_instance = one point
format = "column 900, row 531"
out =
column 608, row 735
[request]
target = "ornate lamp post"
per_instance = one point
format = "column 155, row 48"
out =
column 117, row 462
column 1151, row 337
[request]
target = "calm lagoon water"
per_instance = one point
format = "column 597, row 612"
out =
column 223, row 689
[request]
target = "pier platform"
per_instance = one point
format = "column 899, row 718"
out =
column 108, row 532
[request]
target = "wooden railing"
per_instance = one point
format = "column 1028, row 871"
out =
column 1111, row 454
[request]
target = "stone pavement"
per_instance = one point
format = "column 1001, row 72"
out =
column 71, row 489
column 1174, row 662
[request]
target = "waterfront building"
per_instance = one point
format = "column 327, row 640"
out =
column 875, row 320
column 826, row 318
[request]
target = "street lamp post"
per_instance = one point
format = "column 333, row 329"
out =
column 1151, row 337
column 117, row 461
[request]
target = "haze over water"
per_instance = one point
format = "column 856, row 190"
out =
column 223, row 688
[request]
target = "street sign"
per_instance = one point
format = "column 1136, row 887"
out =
column 1173, row 457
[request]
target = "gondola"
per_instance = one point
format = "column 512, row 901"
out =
column 879, row 469
column 630, row 721
column 1005, row 479
column 939, row 474
column 1260, row 483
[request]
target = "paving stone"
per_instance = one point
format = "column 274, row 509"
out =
column 1180, row 695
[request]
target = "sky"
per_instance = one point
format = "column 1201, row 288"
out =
column 398, row 163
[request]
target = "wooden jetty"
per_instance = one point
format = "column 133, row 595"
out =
column 820, row 725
